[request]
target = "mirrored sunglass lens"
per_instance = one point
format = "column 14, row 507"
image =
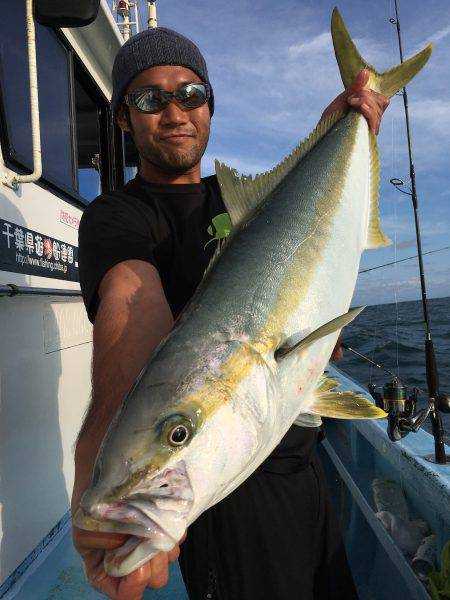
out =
column 192, row 95
column 149, row 101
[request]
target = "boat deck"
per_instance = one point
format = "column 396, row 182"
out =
column 57, row 574
column 354, row 454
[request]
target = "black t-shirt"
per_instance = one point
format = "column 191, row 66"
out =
column 166, row 225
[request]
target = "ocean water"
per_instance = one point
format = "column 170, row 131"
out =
column 393, row 336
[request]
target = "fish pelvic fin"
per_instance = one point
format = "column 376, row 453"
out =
column 331, row 327
column 243, row 194
column 344, row 405
column 329, row 402
column 351, row 62
column 326, row 384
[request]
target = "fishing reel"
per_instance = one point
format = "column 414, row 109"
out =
column 403, row 417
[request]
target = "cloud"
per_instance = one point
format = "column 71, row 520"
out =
column 407, row 244
column 319, row 43
column 434, row 38
column 273, row 73
column 434, row 113
column 440, row 35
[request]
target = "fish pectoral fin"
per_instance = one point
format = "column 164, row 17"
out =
column 331, row 327
column 344, row 405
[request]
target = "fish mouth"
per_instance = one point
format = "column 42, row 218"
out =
column 154, row 513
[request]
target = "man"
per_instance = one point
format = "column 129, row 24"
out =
column 142, row 252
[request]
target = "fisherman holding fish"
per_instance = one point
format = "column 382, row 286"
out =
column 143, row 250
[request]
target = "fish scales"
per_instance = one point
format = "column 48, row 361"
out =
column 244, row 359
column 245, row 325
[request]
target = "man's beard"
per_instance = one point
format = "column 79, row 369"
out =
column 174, row 160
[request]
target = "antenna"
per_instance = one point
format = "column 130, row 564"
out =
column 152, row 22
column 127, row 17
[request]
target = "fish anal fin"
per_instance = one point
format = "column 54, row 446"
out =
column 331, row 327
column 344, row 405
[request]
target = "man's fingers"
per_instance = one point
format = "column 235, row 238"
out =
column 92, row 546
column 132, row 586
column 174, row 554
column 337, row 353
column 359, row 82
column 159, row 571
column 100, row 580
column 93, row 560
column 97, row 539
column 369, row 108
column 368, row 112
column 358, row 94
column 183, row 537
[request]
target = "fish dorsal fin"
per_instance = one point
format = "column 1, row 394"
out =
column 332, row 326
column 242, row 194
column 215, row 257
column 344, row 405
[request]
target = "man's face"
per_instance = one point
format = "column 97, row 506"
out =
column 174, row 139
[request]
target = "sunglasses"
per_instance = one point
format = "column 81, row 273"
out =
column 153, row 100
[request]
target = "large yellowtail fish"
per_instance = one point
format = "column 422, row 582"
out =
column 246, row 357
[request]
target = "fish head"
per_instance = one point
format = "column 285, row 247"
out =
column 140, row 484
column 168, row 455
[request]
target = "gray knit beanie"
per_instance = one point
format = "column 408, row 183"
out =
column 151, row 48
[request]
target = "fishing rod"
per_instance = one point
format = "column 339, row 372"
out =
column 366, row 358
column 395, row 262
column 401, row 409
column 403, row 417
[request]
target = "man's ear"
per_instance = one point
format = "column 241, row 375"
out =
column 122, row 119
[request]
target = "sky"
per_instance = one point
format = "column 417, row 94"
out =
column 273, row 71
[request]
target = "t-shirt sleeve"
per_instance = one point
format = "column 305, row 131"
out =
column 111, row 231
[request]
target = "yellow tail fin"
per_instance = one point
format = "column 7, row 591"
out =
column 351, row 62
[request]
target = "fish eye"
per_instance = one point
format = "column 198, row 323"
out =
column 178, row 435
column 177, row 431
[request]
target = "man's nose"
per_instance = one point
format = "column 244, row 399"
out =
column 173, row 114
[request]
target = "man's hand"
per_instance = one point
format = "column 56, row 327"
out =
column 153, row 574
column 369, row 103
column 132, row 318
column 337, row 353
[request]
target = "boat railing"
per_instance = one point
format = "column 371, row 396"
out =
column 10, row 289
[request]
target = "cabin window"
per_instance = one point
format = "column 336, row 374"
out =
column 89, row 156
column 131, row 157
column 53, row 87
column 76, row 140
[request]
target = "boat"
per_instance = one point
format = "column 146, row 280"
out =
column 47, row 339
